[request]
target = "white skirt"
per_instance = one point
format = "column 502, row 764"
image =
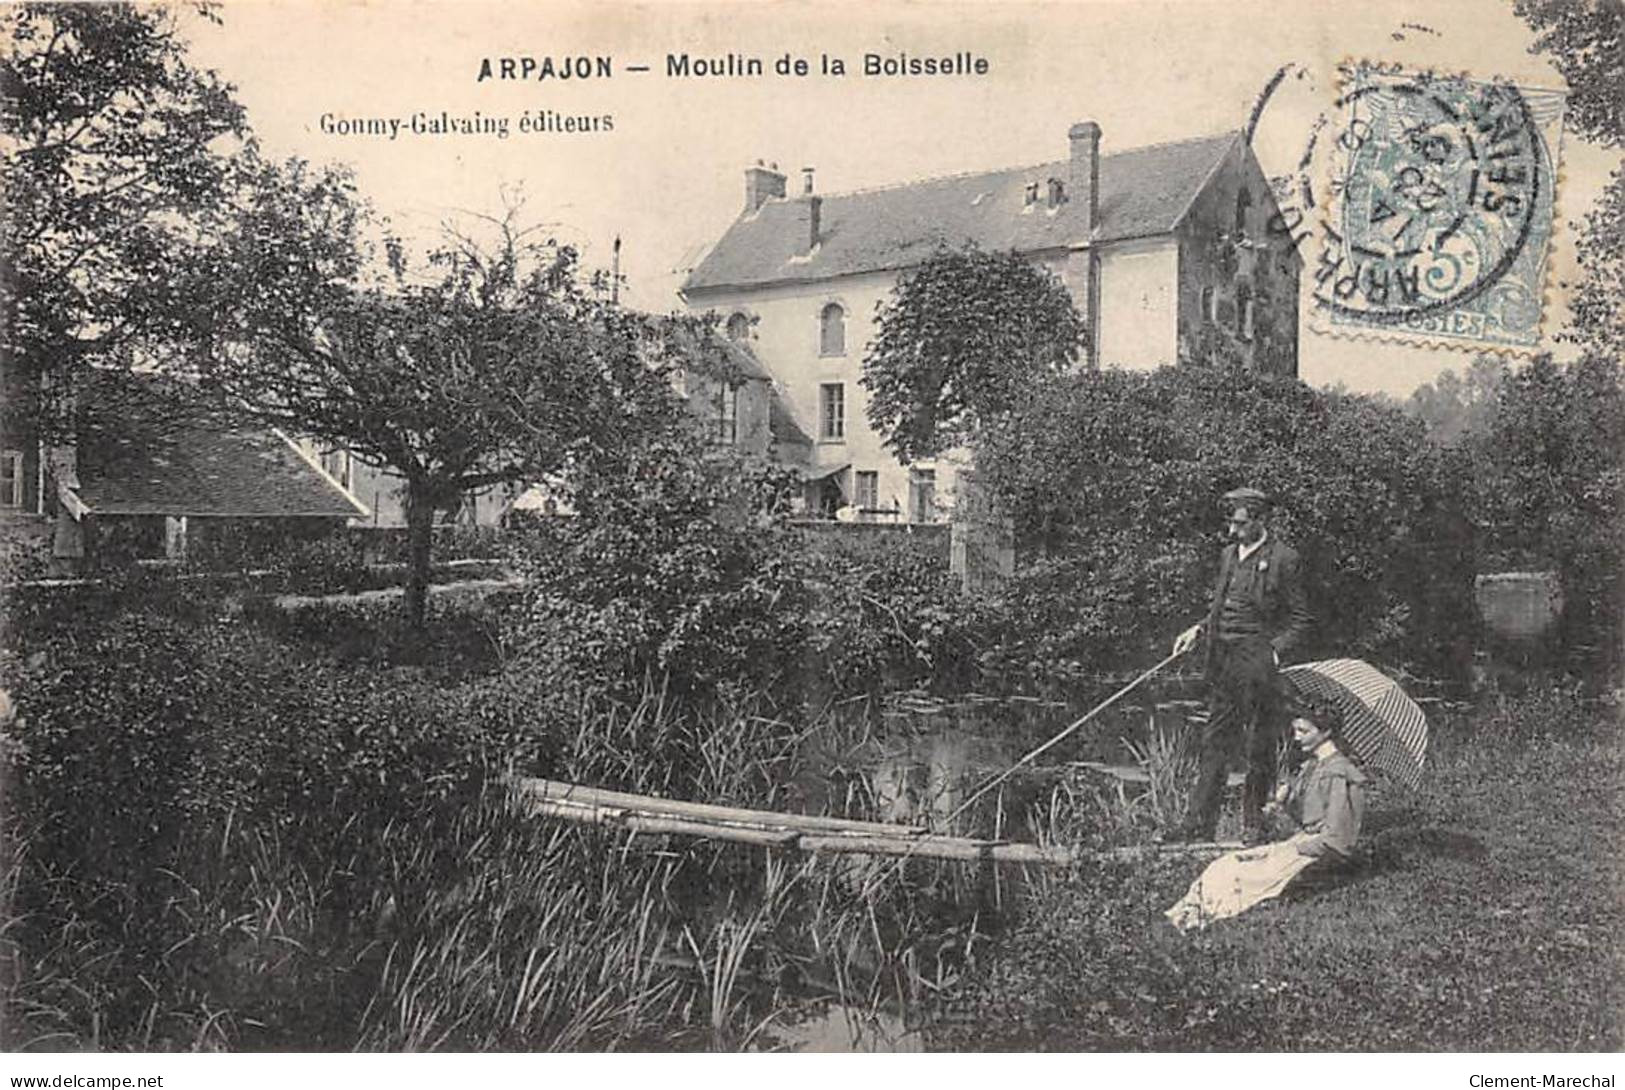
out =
column 1235, row 882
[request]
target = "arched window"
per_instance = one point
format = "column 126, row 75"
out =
column 1244, row 201
column 832, row 330
column 738, row 327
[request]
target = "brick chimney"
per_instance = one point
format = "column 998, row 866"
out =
column 815, row 214
column 1084, row 186
column 806, row 181
column 762, row 184
column 1082, row 273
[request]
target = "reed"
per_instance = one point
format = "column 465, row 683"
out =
column 473, row 926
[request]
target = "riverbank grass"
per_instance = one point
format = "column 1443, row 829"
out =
column 1487, row 915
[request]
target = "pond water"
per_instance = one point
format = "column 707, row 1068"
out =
column 836, row 1027
column 918, row 761
column 929, row 757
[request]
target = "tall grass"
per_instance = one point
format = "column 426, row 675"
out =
column 1484, row 914
column 474, row 926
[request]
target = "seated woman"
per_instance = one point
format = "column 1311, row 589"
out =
column 1321, row 808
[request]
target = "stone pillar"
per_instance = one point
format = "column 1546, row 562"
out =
column 175, row 537
column 67, row 544
column 981, row 541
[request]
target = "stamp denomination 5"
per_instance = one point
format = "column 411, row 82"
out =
column 1438, row 209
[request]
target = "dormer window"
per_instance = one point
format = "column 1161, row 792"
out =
column 1057, row 192
column 832, row 330
column 1031, row 195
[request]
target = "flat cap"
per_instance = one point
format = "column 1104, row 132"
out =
column 1250, row 498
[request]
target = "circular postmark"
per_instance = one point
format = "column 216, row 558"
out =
column 1432, row 183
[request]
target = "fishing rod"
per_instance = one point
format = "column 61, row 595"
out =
column 1007, row 773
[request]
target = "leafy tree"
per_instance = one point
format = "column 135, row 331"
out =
column 1551, row 473
column 1550, row 460
column 1112, row 479
column 124, row 156
column 1455, row 406
column 1585, row 39
column 961, row 342
column 1597, row 304
column 673, row 569
column 495, row 366
column 679, row 573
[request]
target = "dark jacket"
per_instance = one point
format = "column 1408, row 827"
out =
column 1278, row 594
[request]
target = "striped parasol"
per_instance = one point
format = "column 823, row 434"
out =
column 1383, row 726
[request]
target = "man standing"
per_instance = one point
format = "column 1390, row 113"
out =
column 1258, row 615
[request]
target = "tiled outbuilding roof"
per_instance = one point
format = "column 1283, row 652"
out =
column 744, row 359
column 737, row 359
column 782, row 426
column 198, row 470
column 1143, row 192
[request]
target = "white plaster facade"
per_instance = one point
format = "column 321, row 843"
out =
column 1138, row 328
column 1164, row 250
column 785, row 336
column 1139, row 304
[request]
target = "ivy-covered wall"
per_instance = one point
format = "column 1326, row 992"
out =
column 1221, row 268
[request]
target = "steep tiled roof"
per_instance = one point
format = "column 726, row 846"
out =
column 744, row 359
column 782, row 424
column 738, row 360
column 196, row 469
column 1143, row 192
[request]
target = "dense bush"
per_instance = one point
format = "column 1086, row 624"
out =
column 325, row 565
column 148, row 745
column 143, row 724
column 1549, row 467
column 669, row 572
column 452, row 541
column 230, row 842
column 1113, row 480
column 458, row 639
column 681, row 574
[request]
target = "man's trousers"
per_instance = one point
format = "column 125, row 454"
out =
column 1244, row 719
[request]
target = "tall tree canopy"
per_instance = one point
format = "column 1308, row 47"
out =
column 1550, row 470
column 1597, row 305
column 122, row 164
column 1113, row 477
column 1455, row 407
column 1585, row 40
column 493, row 364
column 961, row 340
